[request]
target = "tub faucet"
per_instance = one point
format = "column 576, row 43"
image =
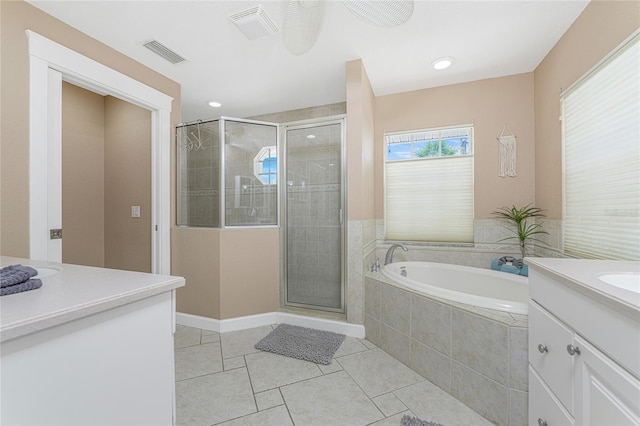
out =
column 389, row 257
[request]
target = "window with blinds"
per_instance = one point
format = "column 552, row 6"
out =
column 601, row 131
column 429, row 185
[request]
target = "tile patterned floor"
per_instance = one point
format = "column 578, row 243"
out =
column 222, row 380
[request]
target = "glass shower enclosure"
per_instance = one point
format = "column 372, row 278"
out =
column 314, row 215
column 227, row 173
column 230, row 174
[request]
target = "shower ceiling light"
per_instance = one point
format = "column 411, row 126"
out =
column 215, row 104
column 311, row 136
column 442, row 63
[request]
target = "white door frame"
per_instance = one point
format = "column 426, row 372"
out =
column 45, row 111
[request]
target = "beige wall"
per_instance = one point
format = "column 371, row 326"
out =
column 249, row 271
column 195, row 255
column 233, row 272
column 83, row 127
column 601, row 27
column 488, row 105
column 127, row 182
column 360, row 142
column 16, row 17
column 106, row 168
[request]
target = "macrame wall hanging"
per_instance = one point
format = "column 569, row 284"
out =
column 507, row 152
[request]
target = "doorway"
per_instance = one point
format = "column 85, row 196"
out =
column 106, row 181
column 49, row 64
column 314, row 210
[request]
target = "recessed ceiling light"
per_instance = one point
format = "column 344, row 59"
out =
column 215, row 104
column 442, row 63
column 311, row 136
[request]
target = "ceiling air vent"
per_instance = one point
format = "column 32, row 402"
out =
column 163, row 51
column 255, row 22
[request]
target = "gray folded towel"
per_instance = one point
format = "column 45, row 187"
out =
column 15, row 274
column 414, row 421
column 31, row 284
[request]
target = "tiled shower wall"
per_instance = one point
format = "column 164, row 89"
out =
column 313, row 197
column 200, row 176
column 313, row 222
column 248, row 201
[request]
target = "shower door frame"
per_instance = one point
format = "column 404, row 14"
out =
column 304, row 124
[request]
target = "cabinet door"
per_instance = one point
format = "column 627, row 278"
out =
column 548, row 340
column 544, row 408
column 606, row 394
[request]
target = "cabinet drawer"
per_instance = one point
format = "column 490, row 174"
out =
column 544, row 409
column 548, row 340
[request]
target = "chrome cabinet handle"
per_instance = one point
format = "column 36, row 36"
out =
column 542, row 348
column 542, row 422
column 573, row 350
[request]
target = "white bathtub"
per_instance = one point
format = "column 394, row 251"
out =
column 474, row 286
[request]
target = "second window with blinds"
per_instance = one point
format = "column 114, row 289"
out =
column 429, row 185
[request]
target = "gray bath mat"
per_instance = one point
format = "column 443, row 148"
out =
column 302, row 343
column 414, row 421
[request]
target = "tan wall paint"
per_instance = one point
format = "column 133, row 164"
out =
column 249, row 275
column 195, row 255
column 16, row 17
column 127, row 182
column 83, row 163
column 360, row 142
column 601, row 27
column 488, row 105
column 106, row 168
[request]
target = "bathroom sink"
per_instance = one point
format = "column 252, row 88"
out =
column 45, row 272
column 628, row 281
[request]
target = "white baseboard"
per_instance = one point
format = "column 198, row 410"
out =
column 252, row 321
column 197, row 321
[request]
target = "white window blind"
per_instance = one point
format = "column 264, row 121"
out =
column 601, row 121
column 430, row 198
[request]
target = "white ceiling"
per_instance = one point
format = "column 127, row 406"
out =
column 251, row 77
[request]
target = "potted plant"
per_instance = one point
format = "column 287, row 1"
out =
column 524, row 230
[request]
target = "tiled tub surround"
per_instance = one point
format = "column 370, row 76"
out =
column 487, row 245
column 477, row 355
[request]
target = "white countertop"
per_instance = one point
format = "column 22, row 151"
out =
column 70, row 292
column 582, row 275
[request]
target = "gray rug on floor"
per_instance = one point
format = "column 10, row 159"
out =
column 302, row 343
column 414, row 421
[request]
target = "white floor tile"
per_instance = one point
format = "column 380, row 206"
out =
column 278, row 416
column 269, row 399
column 231, row 363
column 214, row 398
column 362, row 386
column 269, row 371
column 351, row 345
column 332, row 399
column 194, row 361
column 209, row 336
column 238, row 343
column 186, row 336
column 431, row 403
column 378, row 373
column 389, row 404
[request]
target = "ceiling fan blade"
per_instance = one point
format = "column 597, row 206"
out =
column 302, row 24
column 389, row 13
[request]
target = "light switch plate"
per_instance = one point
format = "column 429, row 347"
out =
column 135, row 211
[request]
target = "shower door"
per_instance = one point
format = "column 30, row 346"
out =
column 314, row 212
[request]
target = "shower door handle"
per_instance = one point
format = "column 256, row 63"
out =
column 341, row 217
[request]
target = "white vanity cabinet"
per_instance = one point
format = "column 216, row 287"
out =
column 584, row 350
column 91, row 346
